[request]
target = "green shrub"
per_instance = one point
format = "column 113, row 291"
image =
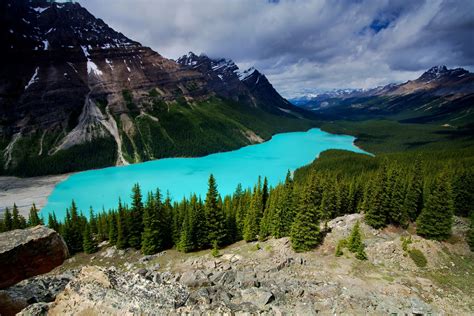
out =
column 256, row 247
column 418, row 257
column 340, row 245
column 215, row 249
column 405, row 242
column 360, row 254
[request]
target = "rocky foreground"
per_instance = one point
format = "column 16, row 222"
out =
column 262, row 278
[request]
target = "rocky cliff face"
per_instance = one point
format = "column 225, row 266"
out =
column 71, row 86
column 29, row 252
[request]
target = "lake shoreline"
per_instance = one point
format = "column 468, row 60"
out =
column 100, row 189
column 26, row 191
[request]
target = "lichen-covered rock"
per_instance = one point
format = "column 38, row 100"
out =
column 42, row 288
column 105, row 291
column 28, row 252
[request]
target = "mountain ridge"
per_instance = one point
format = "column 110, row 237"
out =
column 75, row 87
column 439, row 94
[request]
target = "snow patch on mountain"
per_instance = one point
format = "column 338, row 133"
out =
column 93, row 69
column 33, row 79
column 243, row 75
column 40, row 10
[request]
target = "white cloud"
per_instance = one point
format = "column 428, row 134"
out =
column 305, row 45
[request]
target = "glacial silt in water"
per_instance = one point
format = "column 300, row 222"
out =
column 100, row 189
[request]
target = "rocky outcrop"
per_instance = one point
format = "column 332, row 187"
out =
column 108, row 292
column 42, row 289
column 28, row 252
column 267, row 278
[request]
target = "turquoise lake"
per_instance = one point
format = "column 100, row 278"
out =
column 100, row 189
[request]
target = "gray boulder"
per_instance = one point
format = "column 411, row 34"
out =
column 258, row 297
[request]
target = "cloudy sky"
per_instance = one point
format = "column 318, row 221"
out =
column 305, row 45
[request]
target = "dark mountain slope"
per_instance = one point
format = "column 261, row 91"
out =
column 75, row 94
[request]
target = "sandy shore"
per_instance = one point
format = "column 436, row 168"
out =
column 26, row 191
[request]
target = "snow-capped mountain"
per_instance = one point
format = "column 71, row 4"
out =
column 248, row 86
column 76, row 94
column 438, row 94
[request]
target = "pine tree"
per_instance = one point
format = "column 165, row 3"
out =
column 470, row 236
column 168, row 218
column 103, row 225
column 93, row 222
column 355, row 239
column 254, row 215
column 89, row 244
column 136, row 219
column 329, row 201
column 53, row 222
column 436, row 218
column 18, row 221
column 343, row 199
column 199, row 223
column 355, row 243
column 305, row 233
column 268, row 213
column 237, row 204
column 73, row 230
column 366, row 198
column 122, row 229
column 153, row 239
column 33, row 219
column 353, row 197
column 464, row 197
column 186, row 243
column 265, row 193
column 231, row 226
column 214, row 215
column 193, row 234
column 379, row 202
column 112, row 228
column 397, row 213
column 8, row 220
column 413, row 203
column 178, row 211
column 285, row 209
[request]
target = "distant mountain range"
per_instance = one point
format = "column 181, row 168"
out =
column 76, row 94
column 438, row 95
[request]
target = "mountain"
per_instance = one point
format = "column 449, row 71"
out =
column 248, row 86
column 76, row 94
column 313, row 101
column 438, row 95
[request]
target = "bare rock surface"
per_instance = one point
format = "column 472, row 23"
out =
column 269, row 278
column 42, row 288
column 28, row 252
column 106, row 291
